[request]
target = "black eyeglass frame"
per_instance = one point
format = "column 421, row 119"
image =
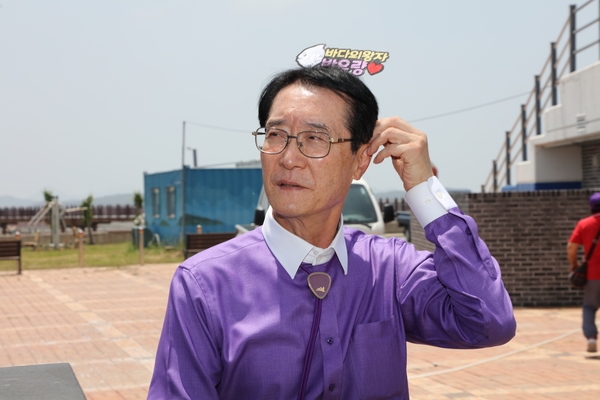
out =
column 330, row 140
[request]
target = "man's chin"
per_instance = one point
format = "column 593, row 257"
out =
column 285, row 211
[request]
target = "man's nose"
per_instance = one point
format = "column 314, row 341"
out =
column 291, row 156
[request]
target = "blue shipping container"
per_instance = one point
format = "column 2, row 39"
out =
column 176, row 203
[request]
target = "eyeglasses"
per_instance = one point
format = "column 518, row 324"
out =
column 312, row 144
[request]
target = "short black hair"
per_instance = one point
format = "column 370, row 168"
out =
column 362, row 104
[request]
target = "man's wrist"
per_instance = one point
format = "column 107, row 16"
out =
column 429, row 200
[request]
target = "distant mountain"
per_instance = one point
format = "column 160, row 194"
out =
column 115, row 199
column 112, row 200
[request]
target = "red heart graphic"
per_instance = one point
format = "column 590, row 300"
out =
column 374, row 68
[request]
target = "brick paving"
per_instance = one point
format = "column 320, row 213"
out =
column 106, row 322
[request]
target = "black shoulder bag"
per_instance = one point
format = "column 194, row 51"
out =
column 579, row 276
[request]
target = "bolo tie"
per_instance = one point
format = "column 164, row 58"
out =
column 319, row 284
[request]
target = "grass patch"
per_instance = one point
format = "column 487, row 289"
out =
column 98, row 255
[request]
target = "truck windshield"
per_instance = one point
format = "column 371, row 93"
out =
column 358, row 207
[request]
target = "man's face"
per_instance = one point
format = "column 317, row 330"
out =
column 310, row 189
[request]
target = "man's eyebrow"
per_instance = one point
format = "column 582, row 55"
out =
column 274, row 122
column 313, row 125
column 318, row 126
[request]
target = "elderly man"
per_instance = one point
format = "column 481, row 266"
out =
column 306, row 308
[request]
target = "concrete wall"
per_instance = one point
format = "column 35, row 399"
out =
column 578, row 116
column 561, row 165
column 591, row 165
column 527, row 232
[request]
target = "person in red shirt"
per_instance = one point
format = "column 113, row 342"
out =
column 584, row 235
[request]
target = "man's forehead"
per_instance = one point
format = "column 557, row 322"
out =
column 322, row 98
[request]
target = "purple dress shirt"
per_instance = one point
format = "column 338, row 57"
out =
column 237, row 324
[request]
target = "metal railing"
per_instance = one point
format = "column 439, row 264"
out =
column 109, row 212
column 563, row 57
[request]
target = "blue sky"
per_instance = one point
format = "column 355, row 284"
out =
column 93, row 94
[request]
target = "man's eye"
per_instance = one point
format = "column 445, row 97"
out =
column 316, row 137
column 275, row 134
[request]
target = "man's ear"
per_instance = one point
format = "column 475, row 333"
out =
column 363, row 159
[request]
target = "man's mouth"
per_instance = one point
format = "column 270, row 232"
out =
column 287, row 184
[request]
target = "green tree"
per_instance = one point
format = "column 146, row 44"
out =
column 138, row 201
column 88, row 215
column 48, row 196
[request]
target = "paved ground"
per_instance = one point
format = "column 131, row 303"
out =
column 105, row 322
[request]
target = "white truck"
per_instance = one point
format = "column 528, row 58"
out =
column 361, row 211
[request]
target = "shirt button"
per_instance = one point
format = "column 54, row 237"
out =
column 440, row 195
column 329, row 340
column 427, row 200
column 331, row 387
column 469, row 231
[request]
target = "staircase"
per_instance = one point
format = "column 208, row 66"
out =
column 564, row 156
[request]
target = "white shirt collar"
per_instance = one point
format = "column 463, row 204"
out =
column 291, row 251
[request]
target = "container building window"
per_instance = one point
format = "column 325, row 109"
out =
column 171, row 201
column 156, row 202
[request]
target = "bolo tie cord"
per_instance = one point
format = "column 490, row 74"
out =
column 319, row 283
column 310, row 348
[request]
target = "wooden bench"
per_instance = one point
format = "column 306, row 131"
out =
column 11, row 250
column 196, row 242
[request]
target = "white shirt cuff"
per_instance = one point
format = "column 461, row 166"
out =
column 429, row 200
